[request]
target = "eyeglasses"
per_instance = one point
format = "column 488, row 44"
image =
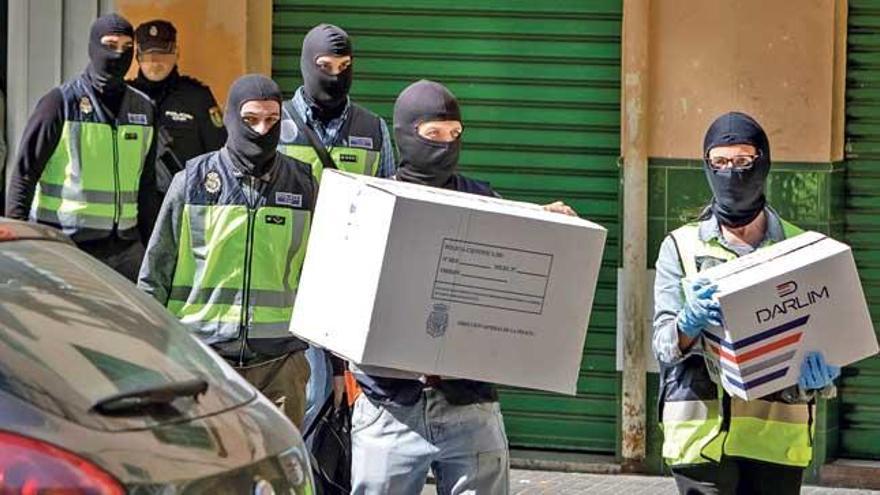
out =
column 738, row 162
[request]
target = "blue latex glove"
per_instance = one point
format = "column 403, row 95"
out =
column 816, row 373
column 700, row 309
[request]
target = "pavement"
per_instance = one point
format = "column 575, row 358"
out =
column 537, row 473
column 524, row 482
column 527, row 482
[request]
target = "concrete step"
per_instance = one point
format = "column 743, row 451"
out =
column 851, row 473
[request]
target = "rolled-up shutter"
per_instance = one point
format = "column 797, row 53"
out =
column 860, row 386
column 539, row 85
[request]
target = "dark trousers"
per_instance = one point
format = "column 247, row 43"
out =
column 123, row 256
column 283, row 381
column 734, row 476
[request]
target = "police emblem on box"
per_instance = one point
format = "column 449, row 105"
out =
column 438, row 320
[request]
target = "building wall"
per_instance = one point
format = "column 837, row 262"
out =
column 47, row 44
column 782, row 62
column 219, row 40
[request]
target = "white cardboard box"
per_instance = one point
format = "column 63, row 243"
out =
column 445, row 283
column 779, row 303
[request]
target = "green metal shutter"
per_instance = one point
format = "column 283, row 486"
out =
column 860, row 386
column 539, row 87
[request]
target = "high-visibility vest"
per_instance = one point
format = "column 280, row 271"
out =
column 90, row 185
column 361, row 134
column 238, row 266
column 700, row 421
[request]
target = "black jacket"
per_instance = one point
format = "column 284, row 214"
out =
column 189, row 122
column 287, row 176
column 38, row 142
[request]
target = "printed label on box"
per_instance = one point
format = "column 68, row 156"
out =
column 492, row 276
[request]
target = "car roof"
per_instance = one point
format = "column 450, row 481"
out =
column 16, row 230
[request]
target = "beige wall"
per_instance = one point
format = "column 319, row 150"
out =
column 782, row 61
column 219, row 39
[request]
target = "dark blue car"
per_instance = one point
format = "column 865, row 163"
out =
column 103, row 392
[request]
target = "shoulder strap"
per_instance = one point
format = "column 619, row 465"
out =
column 319, row 148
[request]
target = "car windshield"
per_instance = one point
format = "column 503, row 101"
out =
column 73, row 332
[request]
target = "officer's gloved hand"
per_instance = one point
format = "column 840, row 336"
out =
column 816, row 373
column 700, row 309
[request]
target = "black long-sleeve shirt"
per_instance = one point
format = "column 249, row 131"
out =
column 38, row 142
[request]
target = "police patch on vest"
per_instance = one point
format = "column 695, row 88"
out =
column 212, row 182
column 130, row 136
column 85, row 105
column 360, row 142
column 348, row 158
column 275, row 220
column 289, row 199
column 137, row 118
column 438, row 320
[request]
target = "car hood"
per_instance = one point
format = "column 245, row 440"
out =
column 73, row 332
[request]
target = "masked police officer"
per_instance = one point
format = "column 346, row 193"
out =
column 323, row 127
column 355, row 139
column 189, row 121
column 715, row 443
column 403, row 423
column 230, row 240
column 86, row 160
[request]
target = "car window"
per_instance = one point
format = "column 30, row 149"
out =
column 73, row 332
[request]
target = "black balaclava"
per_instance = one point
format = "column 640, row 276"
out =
column 251, row 151
column 326, row 94
column 738, row 194
column 422, row 160
column 107, row 68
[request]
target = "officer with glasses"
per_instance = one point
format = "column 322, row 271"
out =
column 715, row 443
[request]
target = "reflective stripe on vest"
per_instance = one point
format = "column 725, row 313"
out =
column 690, row 247
column 228, row 253
column 769, row 431
column 352, row 160
column 92, row 178
column 688, row 426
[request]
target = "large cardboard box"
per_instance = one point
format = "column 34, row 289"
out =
column 444, row 283
column 779, row 303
